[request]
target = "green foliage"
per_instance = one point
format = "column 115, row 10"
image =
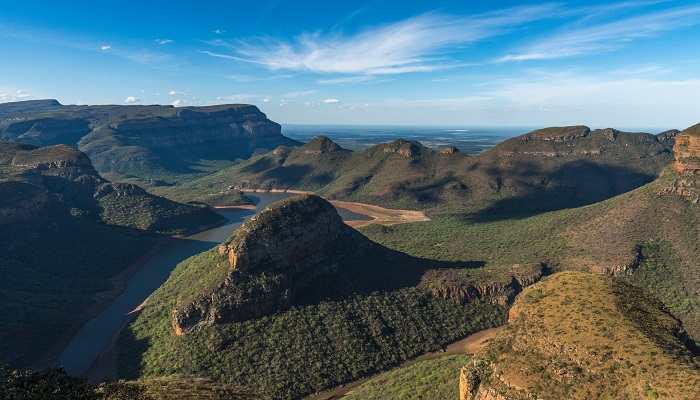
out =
column 306, row 348
column 432, row 379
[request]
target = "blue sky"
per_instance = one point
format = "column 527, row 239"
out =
column 602, row 64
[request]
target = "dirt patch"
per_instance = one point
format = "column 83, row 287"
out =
column 380, row 215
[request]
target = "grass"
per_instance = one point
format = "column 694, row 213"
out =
column 431, row 379
column 578, row 335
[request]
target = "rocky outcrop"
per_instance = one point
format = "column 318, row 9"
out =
column 496, row 285
column 406, row 148
column 21, row 202
column 449, row 150
column 577, row 335
column 269, row 260
column 687, row 151
column 558, row 134
column 320, row 145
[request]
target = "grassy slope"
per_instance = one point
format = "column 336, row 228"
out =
column 577, row 335
column 432, row 379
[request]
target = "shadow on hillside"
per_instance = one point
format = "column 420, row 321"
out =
column 383, row 270
column 572, row 185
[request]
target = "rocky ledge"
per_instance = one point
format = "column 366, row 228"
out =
column 269, row 260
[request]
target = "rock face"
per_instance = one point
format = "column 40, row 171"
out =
column 577, row 335
column 145, row 141
column 687, row 154
column 269, row 260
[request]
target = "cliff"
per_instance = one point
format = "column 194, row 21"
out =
column 577, row 335
column 156, row 144
column 268, row 261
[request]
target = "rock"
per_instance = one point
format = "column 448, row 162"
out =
column 320, row 145
column 558, row 134
column 449, row 150
column 269, row 260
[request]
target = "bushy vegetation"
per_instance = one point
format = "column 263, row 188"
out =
column 304, row 349
column 431, row 379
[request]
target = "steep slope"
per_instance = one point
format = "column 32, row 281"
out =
column 64, row 230
column 295, row 302
column 152, row 144
column 546, row 169
column 576, row 335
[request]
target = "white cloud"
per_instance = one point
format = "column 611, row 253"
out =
column 164, row 41
column 598, row 38
column 218, row 31
column 348, row 80
column 328, row 101
column 105, row 47
column 174, row 93
column 411, row 45
column 300, row 94
column 176, row 103
column 266, row 100
column 16, row 96
column 131, row 99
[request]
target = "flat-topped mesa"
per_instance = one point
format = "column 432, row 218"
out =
column 283, row 234
column 558, row 133
column 687, row 151
column 269, row 260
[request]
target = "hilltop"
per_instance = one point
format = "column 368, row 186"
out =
column 295, row 302
column 545, row 169
column 64, row 231
column 577, row 335
column 153, row 145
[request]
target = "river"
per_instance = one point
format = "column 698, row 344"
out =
column 94, row 336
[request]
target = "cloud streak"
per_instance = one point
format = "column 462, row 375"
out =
column 413, row 45
column 592, row 39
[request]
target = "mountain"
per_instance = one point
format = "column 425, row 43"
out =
column 545, row 169
column 576, row 335
column 155, row 145
column 64, row 231
column 295, row 301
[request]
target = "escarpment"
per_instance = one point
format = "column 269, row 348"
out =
column 264, row 265
column 687, row 165
column 577, row 335
column 152, row 143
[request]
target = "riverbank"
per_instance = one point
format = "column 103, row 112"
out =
column 102, row 300
column 379, row 215
column 468, row 345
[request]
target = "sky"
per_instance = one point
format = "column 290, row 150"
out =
column 472, row 63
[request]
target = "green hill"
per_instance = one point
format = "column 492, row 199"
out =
column 151, row 145
column 64, row 231
column 295, row 302
column 546, row 169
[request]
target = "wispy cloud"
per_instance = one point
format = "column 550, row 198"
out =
column 218, row 31
column 164, row 41
column 413, row 45
column 15, row 96
column 330, row 101
column 348, row 80
column 105, row 47
column 598, row 38
column 174, row 93
column 300, row 94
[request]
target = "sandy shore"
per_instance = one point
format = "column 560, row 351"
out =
column 380, row 215
column 469, row 345
column 102, row 300
column 243, row 207
column 293, row 191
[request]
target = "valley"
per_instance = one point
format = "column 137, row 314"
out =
column 437, row 246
